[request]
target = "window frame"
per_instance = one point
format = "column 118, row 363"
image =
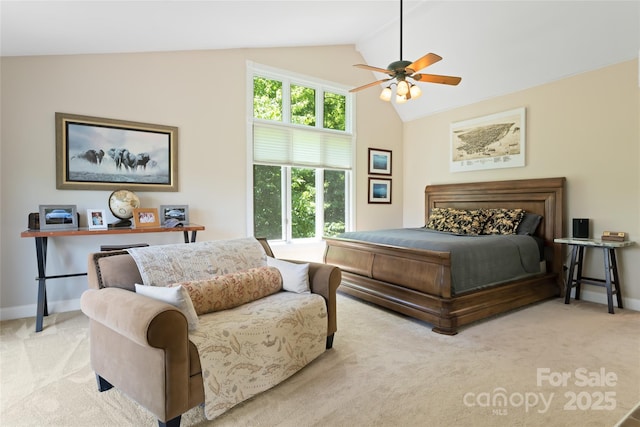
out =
column 288, row 78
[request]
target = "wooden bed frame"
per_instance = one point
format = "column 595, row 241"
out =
column 417, row 282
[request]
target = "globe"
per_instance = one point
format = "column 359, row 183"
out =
column 121, row 204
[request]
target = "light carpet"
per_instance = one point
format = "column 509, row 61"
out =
column 384, row 370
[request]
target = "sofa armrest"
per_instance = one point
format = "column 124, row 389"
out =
column 324, row 280
column 141, row 346
column 134, row 316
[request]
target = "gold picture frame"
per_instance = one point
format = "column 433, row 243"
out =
column 146, row 217
column 94, row 153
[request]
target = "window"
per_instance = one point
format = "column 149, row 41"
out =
column 301, row 148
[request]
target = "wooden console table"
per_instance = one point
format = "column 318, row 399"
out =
column 612, row 284
column 41, row 239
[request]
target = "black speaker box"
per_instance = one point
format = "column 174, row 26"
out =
column 581, row 228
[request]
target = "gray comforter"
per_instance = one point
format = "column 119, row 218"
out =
column 476, row 261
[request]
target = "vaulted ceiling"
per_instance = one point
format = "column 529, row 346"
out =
column 497, row 47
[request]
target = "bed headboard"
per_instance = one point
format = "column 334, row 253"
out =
column 544, row 196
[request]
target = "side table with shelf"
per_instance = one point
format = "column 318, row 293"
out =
column 41, row 239
column 611, row 279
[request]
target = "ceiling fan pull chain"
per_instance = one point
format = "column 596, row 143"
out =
column 400, row 30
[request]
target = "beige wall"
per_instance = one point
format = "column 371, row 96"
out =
column 203, row 93
column 585, row 128
column 575, row 128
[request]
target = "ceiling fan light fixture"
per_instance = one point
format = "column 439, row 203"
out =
column 385, row 95
column 415, row 91
column 401, row 70
column 403, row 88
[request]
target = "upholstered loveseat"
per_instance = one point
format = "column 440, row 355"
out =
column 247, row 333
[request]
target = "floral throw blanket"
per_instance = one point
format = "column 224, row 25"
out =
column 249, row 349
column 163, row 265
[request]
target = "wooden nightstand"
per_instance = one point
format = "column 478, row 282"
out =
column 611, row 281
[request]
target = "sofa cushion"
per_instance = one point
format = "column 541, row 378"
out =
column 116, row 270
column 251, row 348
column 295, row 276
column 162, row 265
column 231, row 290
column 177, row 296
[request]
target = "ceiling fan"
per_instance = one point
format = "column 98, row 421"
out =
column 401, row 70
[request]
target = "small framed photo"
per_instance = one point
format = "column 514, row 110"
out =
column 379, row 162
column 96, row 219
column 58, row 217
column 379, row 190
column 146, row 217
column 178, row 212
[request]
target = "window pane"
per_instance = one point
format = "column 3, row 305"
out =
column 334, row 202
column 267, row 99
column 303, row 203
column 334, row 111
column 303, row 105
column 267, row 202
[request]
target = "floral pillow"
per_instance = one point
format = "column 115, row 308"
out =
column 232, row 290
column 458, row 221
column 503, row 221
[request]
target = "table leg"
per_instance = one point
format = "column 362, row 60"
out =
column 579, row 272
column 616, row 278
column 607, row 280
column 572, row 265
column 41, row 254
column 193, row 236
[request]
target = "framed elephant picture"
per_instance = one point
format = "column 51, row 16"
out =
column 94, row 153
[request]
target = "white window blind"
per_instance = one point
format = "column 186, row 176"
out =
column 293, row 146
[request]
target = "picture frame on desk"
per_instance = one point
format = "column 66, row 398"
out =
column 58, row 217
column 178, row 212
column 146, row 217
column 96, row 219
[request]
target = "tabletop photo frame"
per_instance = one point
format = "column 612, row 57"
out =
column 58, row 217
column 177, row 212
column 146, row 217
column 96, row 219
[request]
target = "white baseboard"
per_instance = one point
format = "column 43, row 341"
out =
column 601, row 298
column 22, row 311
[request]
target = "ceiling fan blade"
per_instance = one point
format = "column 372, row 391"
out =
column 434, row 78
column 377, row 82
column 425, row 61
column 371, row 68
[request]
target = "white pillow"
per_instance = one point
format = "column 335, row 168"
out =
column 177, row 296
column 295, row 277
